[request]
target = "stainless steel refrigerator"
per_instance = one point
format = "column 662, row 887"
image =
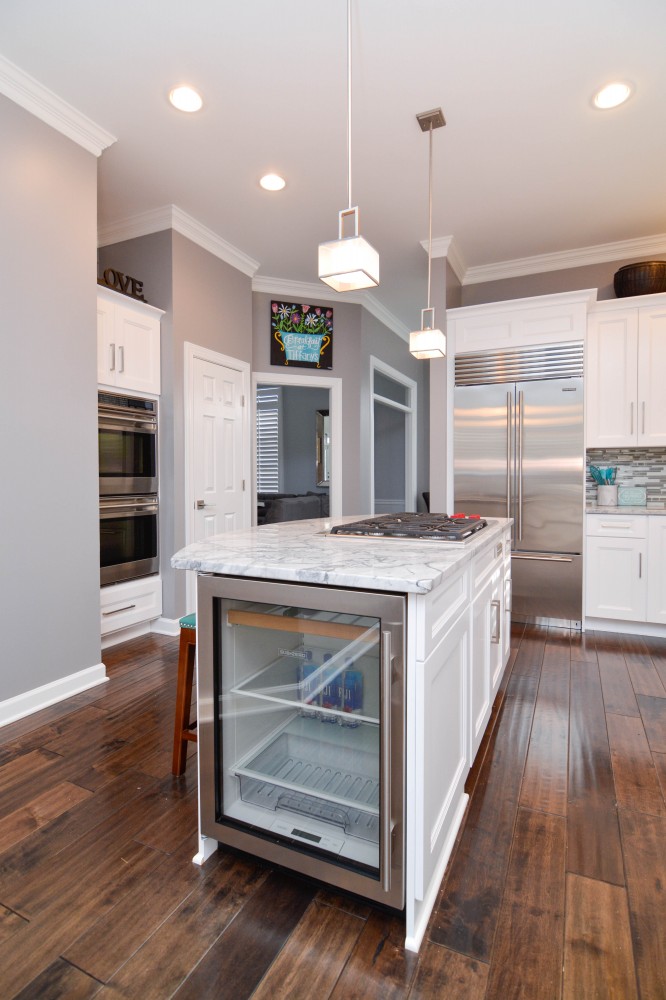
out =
column 519, row 452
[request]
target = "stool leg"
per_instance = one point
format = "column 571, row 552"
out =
column 181, row 736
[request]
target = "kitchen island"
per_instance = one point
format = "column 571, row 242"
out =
column 424, row 727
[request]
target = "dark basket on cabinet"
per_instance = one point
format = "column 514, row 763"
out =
column 645, row 278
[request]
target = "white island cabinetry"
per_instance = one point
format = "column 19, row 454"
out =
column 456, row 647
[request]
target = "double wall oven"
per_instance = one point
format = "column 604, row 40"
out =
column 128, row 487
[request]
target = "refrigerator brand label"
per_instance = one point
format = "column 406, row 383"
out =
column 299, row 654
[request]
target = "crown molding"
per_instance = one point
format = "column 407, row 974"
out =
column 581, row 257
column 172, row 217
column 307, row 291
column 51, row 109
column 445, row 246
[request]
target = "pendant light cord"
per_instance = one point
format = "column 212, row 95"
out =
column 429, row 209
column 349, row 106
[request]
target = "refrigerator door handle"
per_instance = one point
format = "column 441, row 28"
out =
column 519, row 555
column 386, row 831
column 508, row 453
column 519, row 417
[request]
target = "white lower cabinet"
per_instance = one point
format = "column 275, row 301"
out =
column 488, row 626
column 625, row 571
column 443, row 681
column 656, row 599
column 460, row 658
column 131, row 603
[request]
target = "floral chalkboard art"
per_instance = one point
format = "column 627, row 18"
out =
column 301, row 335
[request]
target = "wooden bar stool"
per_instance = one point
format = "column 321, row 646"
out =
column 184, row 730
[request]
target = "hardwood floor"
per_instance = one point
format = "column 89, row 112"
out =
column 556, row 889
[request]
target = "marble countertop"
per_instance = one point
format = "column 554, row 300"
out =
column 301, row 551
column 655, row 509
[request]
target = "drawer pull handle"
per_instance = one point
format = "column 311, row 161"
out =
column 128, row 607
column 495, row 637
column 614, row 525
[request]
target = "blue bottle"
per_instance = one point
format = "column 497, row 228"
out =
column 330, row 692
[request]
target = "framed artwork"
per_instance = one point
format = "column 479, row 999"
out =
column 301, row 335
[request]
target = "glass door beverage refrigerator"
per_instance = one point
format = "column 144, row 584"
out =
column 301, row 729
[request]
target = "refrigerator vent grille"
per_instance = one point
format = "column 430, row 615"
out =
column 521, row 364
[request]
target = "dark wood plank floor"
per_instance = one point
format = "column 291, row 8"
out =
column 557, row 886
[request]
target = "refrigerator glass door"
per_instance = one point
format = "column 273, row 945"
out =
column 549, row 485
column 483, row 450
column 308, row 756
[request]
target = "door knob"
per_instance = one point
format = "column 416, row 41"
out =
column 199, row 504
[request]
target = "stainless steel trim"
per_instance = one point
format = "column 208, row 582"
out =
column 565, row 559
column 520, row 364
column 116, row 611
column 385, row 782
column 495, row 634
column 391, row 609
column 520, row 464
column 509, row 400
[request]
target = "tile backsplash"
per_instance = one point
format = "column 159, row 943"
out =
column 635, row 467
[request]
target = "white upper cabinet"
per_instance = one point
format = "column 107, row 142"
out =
column 128, row 343
column 625, row 366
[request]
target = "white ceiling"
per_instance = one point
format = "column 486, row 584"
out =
column 524, row 167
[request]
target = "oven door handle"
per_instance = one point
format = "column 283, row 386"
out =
column 385, row 796
column 111, row 422
column 112, row 508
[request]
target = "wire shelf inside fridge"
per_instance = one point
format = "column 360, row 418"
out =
column 334, row 780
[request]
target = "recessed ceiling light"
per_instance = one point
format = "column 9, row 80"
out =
column 185, row 99
column 612, row 95
column 272, row 182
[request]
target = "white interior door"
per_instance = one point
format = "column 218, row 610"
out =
column 217, row 447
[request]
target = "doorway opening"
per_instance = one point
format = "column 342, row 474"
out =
column 297, row 447
column 392, row 439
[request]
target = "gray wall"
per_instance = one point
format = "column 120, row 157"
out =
column 207, row 303
column 48, row 429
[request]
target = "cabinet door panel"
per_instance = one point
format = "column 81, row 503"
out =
column 612, row 379
column 106, row 347
column 480, row 666
column 138, row 351
column 656, row 601
column 651, row 411
column 443, row 681
column 616, row 578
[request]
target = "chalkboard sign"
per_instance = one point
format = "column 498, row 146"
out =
column 301, row 335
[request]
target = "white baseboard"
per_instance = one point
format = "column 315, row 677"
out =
column 628, row 628
column 166, row 626
column 123, row 634
column 49, row 694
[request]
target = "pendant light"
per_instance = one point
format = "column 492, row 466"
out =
column 349, row 262
column 428, row 342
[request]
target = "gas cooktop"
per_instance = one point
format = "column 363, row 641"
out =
column 433, row 527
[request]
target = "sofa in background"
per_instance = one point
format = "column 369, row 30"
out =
column 274, row 507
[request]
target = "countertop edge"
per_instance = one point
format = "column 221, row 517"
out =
column 263, row 552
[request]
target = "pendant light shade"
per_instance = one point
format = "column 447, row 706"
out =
column 429, row 342
column 348, row 263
